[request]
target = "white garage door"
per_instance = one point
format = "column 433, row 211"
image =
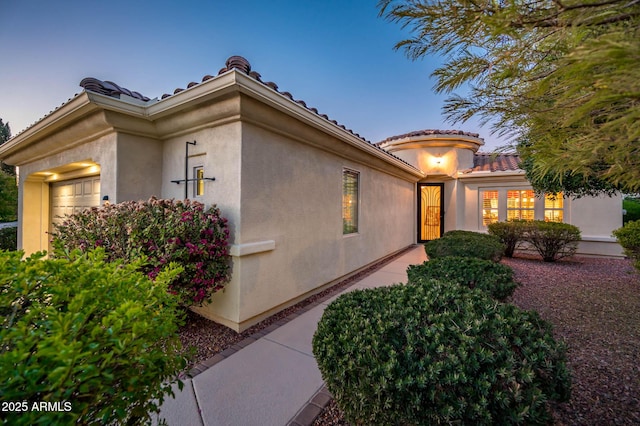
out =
column 71, row 196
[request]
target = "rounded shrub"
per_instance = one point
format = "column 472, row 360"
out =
column 465, row 244
column 494, row 278
column 96, row 342
column 629, row 238
column 438, row 354
column 553, row 240
column 631, row 207
column 162, row 230
column 511, row 233
column 9, row 238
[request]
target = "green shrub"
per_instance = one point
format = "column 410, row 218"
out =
column 8, row 196
column 629, row 238
column 162, row 230
column 553, row 240
column 510, row 233
column 9, row 238
column 632, row 206
column 438, row 354
column 494, row 278
column 465, row 244
column 99, row 339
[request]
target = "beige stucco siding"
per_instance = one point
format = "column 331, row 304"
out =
column 596, row 217
column 139, row 168
column 35, row 178
column 218, row 151
column 292, row 195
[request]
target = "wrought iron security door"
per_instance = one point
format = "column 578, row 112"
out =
column 430, row 211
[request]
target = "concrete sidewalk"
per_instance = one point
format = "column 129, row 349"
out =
column 273, row 377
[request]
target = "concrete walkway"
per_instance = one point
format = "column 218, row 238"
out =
column 272, row 378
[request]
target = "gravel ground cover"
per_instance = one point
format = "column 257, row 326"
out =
column 594, row 305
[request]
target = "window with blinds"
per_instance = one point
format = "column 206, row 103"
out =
column 350, row 201
column 554, row 208
column 489, row 207
column 520, row 204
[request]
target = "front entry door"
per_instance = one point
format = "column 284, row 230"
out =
column 430, row 211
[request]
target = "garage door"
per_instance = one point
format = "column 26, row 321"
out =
column 71, row 196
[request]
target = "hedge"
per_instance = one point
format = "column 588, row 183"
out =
column 438, row 354
column 97, row 338
column 494, row 278
column 465, row 244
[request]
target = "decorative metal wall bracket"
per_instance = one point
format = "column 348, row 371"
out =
column 186, row 179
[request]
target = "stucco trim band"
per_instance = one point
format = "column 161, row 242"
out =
column 239, row 250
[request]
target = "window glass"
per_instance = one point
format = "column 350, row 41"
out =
column 554, row 208
column 198, row 175
column 520, row 204
column 350, row 187
column 489, row 207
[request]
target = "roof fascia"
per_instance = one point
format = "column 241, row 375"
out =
column 484, row 176
column 253, row 88
column 210, row 89
column 76, row 107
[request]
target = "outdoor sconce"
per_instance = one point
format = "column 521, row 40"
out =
column 106, row 200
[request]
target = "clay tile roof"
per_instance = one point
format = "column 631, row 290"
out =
column 428, row 132
column 109, row 88
column 237, row 63
column 484, row 162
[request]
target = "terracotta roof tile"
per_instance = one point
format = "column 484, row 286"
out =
column 109, row 88
column 486, row 162
column 428, row 132
column 242, row 65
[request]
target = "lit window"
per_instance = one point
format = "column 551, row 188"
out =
column 520, row 204
column 198, row 175
column 350, row 181
column 554, row 208
column 489, row 207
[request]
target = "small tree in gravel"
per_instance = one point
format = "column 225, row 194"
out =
column 553, row 240
column 511, row 233
column 629, row 238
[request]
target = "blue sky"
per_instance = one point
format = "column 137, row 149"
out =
column 336, row 55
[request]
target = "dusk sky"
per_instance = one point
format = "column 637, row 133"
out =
column 336, row 55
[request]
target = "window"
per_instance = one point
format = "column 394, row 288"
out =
column 520, row 204
column 198, row 176
column 553, row 208
column 489, row 207
column 350, row 183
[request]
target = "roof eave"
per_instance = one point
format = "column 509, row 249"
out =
column 250, row 86
column 70, row 111
column 495, row 174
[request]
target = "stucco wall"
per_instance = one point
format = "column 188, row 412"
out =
column 596, row 217
column 291, row 194
column 138, row 168
column 218, row 151
column 33, row 207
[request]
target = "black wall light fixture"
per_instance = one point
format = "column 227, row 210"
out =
column 186, row 179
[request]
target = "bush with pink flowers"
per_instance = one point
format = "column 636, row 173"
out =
column 163, row 231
